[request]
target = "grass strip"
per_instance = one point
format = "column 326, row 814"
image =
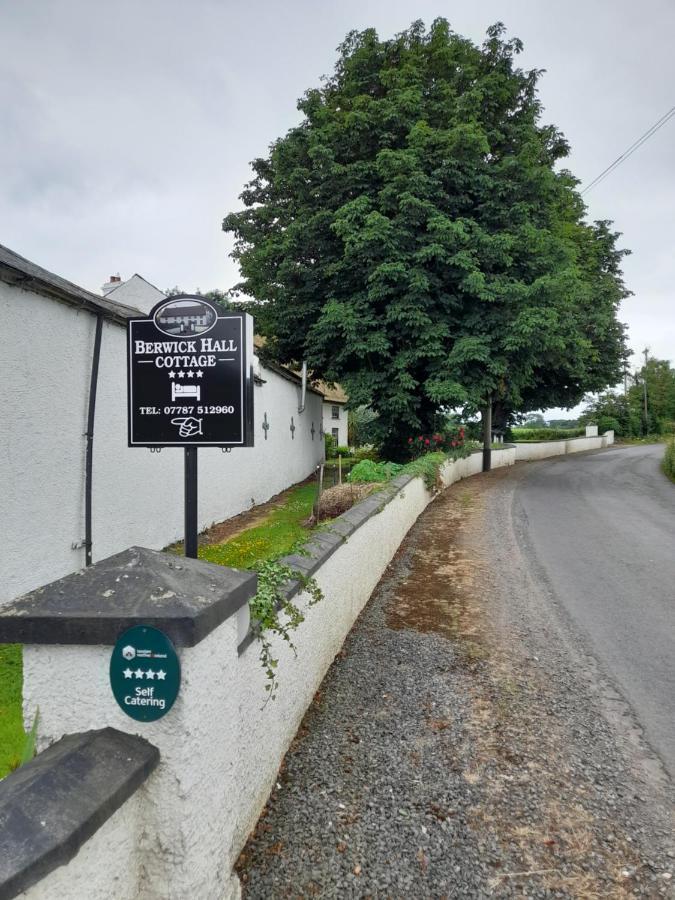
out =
column 12, row 735
column 276, row 536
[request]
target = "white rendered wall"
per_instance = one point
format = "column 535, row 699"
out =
column 329, row 423
column 107, row 865
column 543, row 449
column 45, row 369
column 578, row 445
column 221, row 745
column 540, row 450
column 137, row 292
column 181, row 818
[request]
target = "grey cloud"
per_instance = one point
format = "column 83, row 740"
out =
column 127, row 128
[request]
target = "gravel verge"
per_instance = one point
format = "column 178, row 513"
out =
column 464, row 743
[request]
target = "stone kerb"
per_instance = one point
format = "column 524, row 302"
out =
column 182, row 832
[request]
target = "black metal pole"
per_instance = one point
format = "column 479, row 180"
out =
column 487, row 435
column 89, row 457
column 191, row 502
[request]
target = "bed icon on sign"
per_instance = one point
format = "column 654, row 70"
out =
column 180, row 391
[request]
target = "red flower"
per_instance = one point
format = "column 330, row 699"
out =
column 427, row 442
column 454, row 443
column 410, row 440
column 420, row 438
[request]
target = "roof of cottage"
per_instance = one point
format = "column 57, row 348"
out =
column 332, row 393
column 21, row 272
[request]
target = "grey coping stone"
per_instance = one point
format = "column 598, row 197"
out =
column 185, row 598
column 323, row 544
column 53, row 804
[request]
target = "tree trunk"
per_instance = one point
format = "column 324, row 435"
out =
column 486, row 416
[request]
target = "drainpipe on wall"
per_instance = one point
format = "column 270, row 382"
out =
column 301, row 407
column 90, row 441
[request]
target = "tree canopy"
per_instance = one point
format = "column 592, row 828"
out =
column 414, row 238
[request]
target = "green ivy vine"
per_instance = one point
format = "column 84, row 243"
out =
column 273, row 613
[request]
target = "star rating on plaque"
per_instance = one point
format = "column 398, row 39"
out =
column 190, row 374
column 148, row 673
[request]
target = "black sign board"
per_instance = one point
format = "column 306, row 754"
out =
column 190, row 377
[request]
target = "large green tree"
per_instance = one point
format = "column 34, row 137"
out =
column 414, row 239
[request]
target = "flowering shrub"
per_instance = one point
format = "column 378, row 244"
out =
column 451, row 442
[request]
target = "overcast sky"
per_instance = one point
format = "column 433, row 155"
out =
column 128, row 127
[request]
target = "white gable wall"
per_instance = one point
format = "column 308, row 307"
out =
column 136, row 292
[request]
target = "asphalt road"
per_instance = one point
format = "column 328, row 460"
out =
column 600, row 528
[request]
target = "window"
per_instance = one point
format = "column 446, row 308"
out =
column 336, row 435
column 335, row 412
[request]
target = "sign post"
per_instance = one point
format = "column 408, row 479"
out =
column 191, row 494
column 190, row 384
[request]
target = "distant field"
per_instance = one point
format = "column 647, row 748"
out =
column 546, row 434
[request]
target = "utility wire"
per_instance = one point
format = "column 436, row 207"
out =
column 630, row 150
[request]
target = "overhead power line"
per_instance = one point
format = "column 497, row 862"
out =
column 630, row 150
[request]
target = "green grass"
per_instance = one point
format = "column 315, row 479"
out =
column 647, row 439
column 546, row 434
column 277, row 536
column 12, row 736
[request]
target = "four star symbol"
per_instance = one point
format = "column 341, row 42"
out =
column 149, row 674
column 190, row 374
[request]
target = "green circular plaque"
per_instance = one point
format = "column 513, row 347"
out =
column 144, row 673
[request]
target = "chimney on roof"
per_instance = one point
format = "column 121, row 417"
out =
column 115, row 281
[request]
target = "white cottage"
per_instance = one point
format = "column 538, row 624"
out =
column 335, row 415
column 72, row 490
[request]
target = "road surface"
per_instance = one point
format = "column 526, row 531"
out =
column 600, row 528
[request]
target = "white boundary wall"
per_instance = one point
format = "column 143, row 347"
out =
column 45, row 369
column 106, row 865
column 220, row 747
column 528, row 450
